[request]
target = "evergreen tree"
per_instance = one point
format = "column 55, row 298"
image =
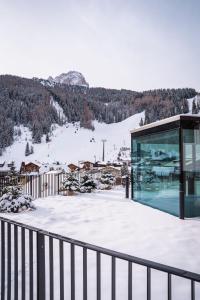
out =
column 70, row 183
column 87, row 184
column 13, row 200
column 27, row 149
column 47, row 138
column 107, row 180
column 124, row 170
column 141, row 122
column 194, row 107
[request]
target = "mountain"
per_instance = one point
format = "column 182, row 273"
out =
column 39, row 106
column 70, row 78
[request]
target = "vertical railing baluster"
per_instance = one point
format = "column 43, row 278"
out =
column 9, row 246
column 98, row 276
column 31, row 186
column 2, row 259
column 84, row 274
column 113, row 278
column 8, row 261
column 192, row 290
column 39, row 186
column 148, row 283
column 51, row 269
column 15, row 262
column 23, row 263
column 169, row 287
column 30, row 264
column 130, row 280
column 41, row 286
column 58, row 183
column 61, row 270
column 72, row 272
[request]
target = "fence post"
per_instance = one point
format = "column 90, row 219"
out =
column 58, row 184
column 40, row 266
column 31, row 185
column 39, row 186
column 127, row 186
column 2, row 260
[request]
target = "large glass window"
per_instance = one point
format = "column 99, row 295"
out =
column 155, row 170
column 191, row 167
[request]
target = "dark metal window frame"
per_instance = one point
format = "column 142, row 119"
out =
column 185, row 122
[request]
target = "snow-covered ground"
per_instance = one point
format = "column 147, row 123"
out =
column 70, row 143
column 107, row 219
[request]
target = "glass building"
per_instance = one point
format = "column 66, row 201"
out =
column 166, row 165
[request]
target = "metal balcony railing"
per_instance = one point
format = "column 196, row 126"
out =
column 28, row 258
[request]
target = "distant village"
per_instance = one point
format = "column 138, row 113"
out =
column 95, row 169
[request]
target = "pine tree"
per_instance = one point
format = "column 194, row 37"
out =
column 70, row 183
column 124, row 170
column 13, row 200
column 141, row 122
column 47, row 138
column 107, row 180
column 87, row 184
column 27, row 149
column 194, row 107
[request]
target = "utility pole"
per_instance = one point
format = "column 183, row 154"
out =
column 103, row 156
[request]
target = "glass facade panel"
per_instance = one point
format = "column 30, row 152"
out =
column 191, row 167
column 155, row 170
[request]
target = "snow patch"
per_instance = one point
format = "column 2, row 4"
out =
column 58, row 109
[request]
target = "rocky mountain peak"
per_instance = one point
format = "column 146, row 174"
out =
column 70, row 78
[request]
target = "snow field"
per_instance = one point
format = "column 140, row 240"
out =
column 71, row 144
column 107, row 219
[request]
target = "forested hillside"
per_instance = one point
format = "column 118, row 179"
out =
column 28, row 102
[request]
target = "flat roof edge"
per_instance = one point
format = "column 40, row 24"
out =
column 165, row 121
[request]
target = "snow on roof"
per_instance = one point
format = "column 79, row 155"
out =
column 54, row 172
column 46, row 168
column 164, row 121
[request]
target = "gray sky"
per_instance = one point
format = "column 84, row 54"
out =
column 130, row 44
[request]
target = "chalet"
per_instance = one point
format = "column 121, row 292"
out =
column 99, row 164
column 116, row 172
column 87, row 165
column 53, row 168
column 29, row 168
column 73, row 168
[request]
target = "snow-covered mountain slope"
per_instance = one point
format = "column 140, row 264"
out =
column 70, row 78
column 195, row 99
column 70, row 143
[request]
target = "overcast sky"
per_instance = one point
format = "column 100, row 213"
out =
column 138, row 45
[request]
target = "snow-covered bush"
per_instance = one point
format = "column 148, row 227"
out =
column 13, row 200
column 87, row 184
column 106, row 181
column 70, row 183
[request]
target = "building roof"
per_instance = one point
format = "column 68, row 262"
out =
column 166, row 121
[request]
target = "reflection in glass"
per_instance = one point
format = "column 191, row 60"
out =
column 155, row 170
column 191, row 167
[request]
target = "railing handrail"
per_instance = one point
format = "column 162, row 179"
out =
column 133, row 259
